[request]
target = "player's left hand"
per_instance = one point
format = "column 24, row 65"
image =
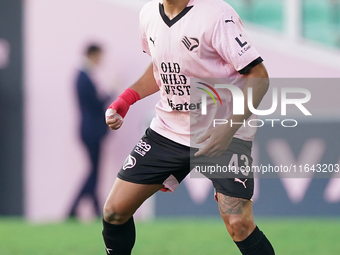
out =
column 218, row 140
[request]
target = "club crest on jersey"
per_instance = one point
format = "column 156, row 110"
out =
column 129, row 162
column 190, row 43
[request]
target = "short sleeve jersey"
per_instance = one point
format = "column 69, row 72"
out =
column 205, row 40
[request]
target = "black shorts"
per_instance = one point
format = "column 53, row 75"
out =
column 158, row 160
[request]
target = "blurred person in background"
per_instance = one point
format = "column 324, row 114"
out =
column 93, row 127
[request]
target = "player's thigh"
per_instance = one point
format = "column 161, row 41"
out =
column 230, row 172
column 234, row 207
column 234, row 186
column 156, row 160
column 125, row 198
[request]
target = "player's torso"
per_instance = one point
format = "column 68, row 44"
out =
column 192, row 46
column 183, row 49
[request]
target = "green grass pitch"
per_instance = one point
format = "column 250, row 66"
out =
column 175, row 236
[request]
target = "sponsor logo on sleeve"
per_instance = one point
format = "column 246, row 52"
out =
column 243, row 44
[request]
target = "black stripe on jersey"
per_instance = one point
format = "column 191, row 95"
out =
column 170, row 22
column 251, row 65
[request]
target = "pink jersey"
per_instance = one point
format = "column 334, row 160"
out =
column 206, row 40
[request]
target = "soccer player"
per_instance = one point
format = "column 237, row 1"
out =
column 188, row 39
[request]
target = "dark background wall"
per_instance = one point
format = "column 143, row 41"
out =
column 11, row 105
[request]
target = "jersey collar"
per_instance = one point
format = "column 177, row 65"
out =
column 178, row 17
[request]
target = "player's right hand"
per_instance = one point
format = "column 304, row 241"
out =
column 117, row 110
column 113, row 119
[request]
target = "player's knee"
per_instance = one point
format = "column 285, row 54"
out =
column 115, row 216
column 239, row 227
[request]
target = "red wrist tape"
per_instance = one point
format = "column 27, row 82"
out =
column 123, row 102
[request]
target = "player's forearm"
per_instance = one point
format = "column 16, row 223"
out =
column 257, row 79
column 146, row 85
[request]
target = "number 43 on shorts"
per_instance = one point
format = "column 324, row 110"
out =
column 244, row 168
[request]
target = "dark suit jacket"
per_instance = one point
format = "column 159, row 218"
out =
column 92, row 108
